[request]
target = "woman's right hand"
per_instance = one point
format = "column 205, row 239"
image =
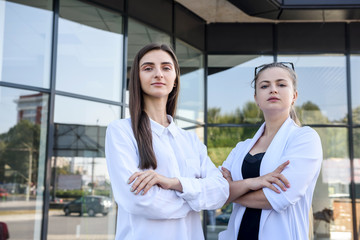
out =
column 270, row 178
column 145, row 180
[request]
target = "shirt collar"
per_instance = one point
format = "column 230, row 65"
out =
column 158, row 129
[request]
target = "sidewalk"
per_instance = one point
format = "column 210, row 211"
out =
column 28, row 215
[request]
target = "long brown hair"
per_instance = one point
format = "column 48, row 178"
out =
column 293, row 77
column 140, row 121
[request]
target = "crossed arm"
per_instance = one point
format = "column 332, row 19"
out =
column 248, row 192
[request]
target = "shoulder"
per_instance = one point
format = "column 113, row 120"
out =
column 120, row 125
column 304, row 132
column 305, row 138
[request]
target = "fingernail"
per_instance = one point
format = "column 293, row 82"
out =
column 288, row 185
column 131, row 189
column 128, row 181
column 142, row 193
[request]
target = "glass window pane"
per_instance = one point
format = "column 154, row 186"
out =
column 230, row 94
column 80, row 184
column 25, row 42
column 23, row 128
column 221, row 140
column 322, row 88
column 355, row 86
column 90, row 51
column 332, row 201
column 191, row 99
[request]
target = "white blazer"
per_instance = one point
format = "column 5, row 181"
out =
column 289, row 218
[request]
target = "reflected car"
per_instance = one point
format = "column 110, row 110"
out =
column 224, row 216
column 91, row 205
column 3, row 193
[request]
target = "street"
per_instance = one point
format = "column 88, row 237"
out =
column 21, row 218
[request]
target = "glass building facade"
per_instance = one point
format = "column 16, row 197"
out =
column 64, row 68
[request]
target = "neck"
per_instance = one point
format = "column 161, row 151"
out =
column 156, row 110
column 273, row 124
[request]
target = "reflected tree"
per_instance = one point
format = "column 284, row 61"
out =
column 222, row 139
column 19, row 154
column 310, row 113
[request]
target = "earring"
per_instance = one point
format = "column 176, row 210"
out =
column 174, row 84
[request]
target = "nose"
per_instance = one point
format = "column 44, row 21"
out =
column 273, row 89
column 158, row 73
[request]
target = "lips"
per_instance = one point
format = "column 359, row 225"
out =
column 273, row 99
column 158, row 84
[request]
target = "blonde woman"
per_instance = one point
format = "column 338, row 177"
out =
column 265, row 205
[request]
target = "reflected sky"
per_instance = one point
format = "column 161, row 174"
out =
column 355, row 80
column 76, row 111
column 89, row 60
column 322, row 80
column 26, row 42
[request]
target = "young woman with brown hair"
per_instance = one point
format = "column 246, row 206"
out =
column 160, row 174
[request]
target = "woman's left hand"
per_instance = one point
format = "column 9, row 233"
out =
column 143, row 181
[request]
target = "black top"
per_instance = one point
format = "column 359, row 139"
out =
column 249, row 226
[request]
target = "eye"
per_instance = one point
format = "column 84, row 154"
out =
column 167, row 68
column 147, row 69
column 263, row 86
column 282, row 85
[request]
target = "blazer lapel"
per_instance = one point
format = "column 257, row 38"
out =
column 271, row 159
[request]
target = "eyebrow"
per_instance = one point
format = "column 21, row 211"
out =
column 277, row 80
column 151, row 63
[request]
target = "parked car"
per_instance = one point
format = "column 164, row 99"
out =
column 91, row 205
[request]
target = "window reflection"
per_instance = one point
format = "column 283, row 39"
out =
column 230, row 93
column 191, row 99
column 331, row 202
column 22, row 160
column 81, row 197
column 221, row 140
column 322, row 88
column 25, row 42
column 356, row 146
column 90, row 45
column 355, row 86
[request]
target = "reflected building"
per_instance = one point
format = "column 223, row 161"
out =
column 64, row 67
column 29, row 107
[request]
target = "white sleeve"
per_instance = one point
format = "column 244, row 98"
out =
column 305, row 154
column 208, row 192
column 122, row 162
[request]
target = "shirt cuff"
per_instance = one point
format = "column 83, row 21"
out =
column 278, row 201
column 189, row 191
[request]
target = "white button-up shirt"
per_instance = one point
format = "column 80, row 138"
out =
column 163, row 214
